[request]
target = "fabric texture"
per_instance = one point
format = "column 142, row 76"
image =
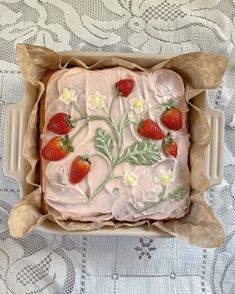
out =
column 44, row 263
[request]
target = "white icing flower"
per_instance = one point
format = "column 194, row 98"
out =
column 130, row 179
column 138, row 105
column 163, row 173
column 68, row 96
column 96, row 100
column 163, row 177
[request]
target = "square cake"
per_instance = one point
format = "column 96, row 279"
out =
column 114, row 145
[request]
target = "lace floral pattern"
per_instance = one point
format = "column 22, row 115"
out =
column 43, row 263
column 142, row 25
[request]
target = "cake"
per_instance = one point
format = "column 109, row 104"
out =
column 114, row 145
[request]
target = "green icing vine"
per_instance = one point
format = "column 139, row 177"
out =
column 176, row 195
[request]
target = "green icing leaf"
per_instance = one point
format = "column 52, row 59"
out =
column 104, row 143
column 141, row 153
column 177, row 194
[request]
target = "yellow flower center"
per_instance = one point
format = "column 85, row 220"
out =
column 67, row 94
column 165, row 179
column 96, row 100
column 130, row 179
column 139, row 103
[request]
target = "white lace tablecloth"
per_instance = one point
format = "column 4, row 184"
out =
column 43, row 263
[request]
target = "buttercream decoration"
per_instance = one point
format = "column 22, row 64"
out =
column 138, row 105
column 130, row 179
column 163, row 173
column 163, row 177
column 149, row 199
column 177, row 194
column 153, row 195
column 68, row 96
column 61, row 177
column 96, row 100
column 166, row 99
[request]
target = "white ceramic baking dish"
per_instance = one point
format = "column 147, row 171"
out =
column 15, row 166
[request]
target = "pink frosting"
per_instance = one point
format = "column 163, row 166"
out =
column 116, row 200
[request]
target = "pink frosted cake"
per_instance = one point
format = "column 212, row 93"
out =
column 114, row 145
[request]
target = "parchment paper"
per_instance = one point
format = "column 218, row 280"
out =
column 200, row 71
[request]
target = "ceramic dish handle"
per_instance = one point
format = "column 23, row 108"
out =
column 214, row 154
column 14, row 134
column 16, row 119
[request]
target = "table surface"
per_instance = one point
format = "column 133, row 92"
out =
column 43, row 263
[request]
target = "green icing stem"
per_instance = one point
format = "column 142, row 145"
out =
column 76, row 106
column 160, row 200
column 176, row 195
column 102, row 185
column 118, row 139
column 116, row 94
column 117, row 131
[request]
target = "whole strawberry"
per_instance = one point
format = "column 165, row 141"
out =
column 150, row 129
column 169, row 146
column 57, row 148
column 172, row 119
column 125, row 87
column 79, row 169
column 60, row 124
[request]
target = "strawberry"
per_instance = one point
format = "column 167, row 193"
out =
column 172, row 119
column 57, row 148
column 150, row 129
column 169, row 146
column 60, row 124
column 79, row 169
column 125, row 87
